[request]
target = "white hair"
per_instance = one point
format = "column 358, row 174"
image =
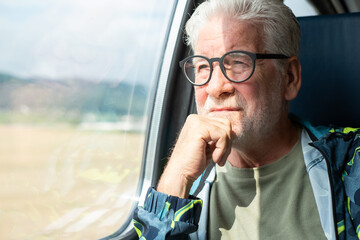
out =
column 279, row 26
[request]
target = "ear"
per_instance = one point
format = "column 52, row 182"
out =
column 292, row 78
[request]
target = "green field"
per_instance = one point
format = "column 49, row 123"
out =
column 61, row 182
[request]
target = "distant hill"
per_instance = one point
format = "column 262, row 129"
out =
column 5, row 77
column 74, row 98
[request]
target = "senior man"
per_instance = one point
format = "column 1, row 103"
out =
column 274, row 177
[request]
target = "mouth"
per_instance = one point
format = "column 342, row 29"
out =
column 224, row 110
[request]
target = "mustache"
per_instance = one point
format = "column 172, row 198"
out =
column 234, row 101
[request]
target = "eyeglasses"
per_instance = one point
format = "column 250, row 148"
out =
column 237, row 66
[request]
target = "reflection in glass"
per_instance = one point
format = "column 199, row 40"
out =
column 75, row 84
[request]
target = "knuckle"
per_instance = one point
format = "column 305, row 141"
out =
column 192, row 118
column 195, row 121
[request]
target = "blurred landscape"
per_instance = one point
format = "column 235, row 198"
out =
column 70, row 101
column 76, row 79
column 70, row 156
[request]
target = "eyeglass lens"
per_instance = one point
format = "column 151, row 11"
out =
column 237, row 67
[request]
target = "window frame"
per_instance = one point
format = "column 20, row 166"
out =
column 173, row 101
column 157, row 141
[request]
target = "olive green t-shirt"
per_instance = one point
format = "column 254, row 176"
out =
column 274, row 202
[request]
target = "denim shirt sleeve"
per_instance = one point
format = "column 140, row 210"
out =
column 166, row 217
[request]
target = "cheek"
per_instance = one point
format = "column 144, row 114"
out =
column 200, row 99
column 249, row 93
column 259, row 91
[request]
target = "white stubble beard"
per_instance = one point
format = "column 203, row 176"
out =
column 248, row 129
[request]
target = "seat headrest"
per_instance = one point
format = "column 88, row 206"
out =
column 330, row 58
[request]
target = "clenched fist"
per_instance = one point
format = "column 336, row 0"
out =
column 202, row 138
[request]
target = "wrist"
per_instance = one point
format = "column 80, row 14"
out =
column 175, row 184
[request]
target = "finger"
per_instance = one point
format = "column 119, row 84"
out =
column 223, row 123
column 216, row 121
column 213, row 132
column 210, row 149
column 222, row 150
column 225, row 156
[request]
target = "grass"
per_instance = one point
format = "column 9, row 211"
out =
column 59, row 182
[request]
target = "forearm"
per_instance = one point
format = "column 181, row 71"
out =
column 170, row 212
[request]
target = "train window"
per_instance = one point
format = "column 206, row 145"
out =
column 302, row 7
column 76, row 84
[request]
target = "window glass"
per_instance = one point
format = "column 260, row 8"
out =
column 75, row 89
column 301, row 8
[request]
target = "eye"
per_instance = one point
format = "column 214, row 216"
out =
column 202, row 66
column 237, row 62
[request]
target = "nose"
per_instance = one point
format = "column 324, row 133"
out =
column 219, row 85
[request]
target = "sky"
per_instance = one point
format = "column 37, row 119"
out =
column 94, row 40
